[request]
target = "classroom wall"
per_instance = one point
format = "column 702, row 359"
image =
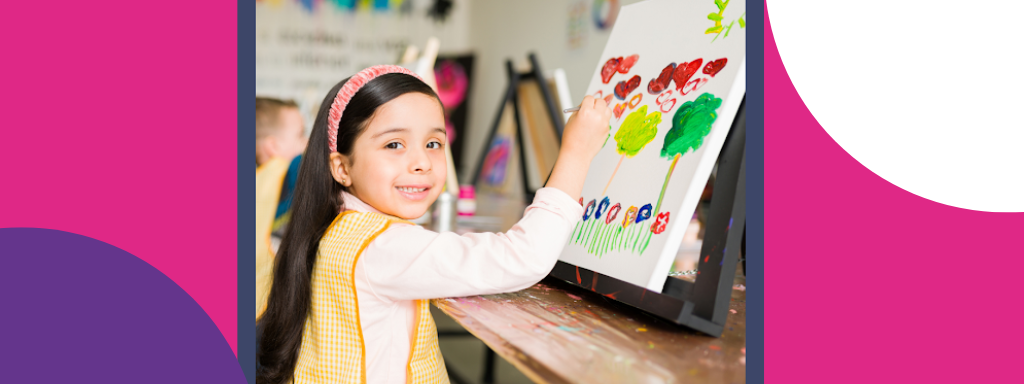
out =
column 303, row 48
column 301, row 51
column 562, row 33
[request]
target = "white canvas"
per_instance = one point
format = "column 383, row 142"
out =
column 660, row 32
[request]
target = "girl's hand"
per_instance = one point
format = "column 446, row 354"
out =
column 587, row 129
column 585, row 133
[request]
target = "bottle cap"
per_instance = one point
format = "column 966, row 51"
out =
column 467, row 192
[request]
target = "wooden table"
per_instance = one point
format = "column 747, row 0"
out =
column 554, row 332
column 557, row 333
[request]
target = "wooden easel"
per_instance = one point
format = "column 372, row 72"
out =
column 512, row 96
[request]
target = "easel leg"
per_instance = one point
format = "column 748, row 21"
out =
column 509, row 94
column 488, row 366
column 527, row 193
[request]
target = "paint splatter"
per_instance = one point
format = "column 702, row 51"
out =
column 641, row 329
column 637, row 131
column 635, row 100
column 684, row 72
column 601, row 207
column 619, row 109
column 665, row 101
column 589, row 210
column 717, row 17
column 661, row 82
column 609, row 69
column 574, row 296
column 644, row 213
column 693, row 85
column 633, row 135
column 660, row 223
column 625, row 64
column 690, row 124
column 713, row 67
column 629, row 216
column 625, row 87
column 612, row 213
column 732, row 311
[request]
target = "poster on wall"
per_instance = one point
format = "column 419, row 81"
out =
column 674, row 88
column 454, row 76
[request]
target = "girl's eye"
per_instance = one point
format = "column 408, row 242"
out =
column 394, row 145
column 434, row 145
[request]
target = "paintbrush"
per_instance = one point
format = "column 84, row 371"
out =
column 571, row 110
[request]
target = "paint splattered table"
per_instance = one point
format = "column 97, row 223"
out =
column 557, row 333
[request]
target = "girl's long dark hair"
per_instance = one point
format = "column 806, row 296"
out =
column 317, row 201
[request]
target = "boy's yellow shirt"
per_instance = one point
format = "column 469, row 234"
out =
column 269, row 180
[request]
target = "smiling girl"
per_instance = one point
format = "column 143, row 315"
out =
column 352, row 278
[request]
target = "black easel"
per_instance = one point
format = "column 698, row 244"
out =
column 702, row 305
column 512, row 95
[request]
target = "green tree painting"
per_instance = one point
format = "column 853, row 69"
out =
column 690, row 124
column 636, row 131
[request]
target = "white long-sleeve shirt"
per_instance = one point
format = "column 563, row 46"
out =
column 408, row 262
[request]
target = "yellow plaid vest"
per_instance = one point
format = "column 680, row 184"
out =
column 332, row 348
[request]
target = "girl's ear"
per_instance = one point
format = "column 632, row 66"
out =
column 340, row 169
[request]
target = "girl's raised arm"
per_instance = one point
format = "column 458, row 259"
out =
column 410, row 262
column 407, row 262
column 585, row 133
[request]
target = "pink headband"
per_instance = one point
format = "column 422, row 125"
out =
column 349, row 89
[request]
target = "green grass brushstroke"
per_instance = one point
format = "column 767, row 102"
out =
column 590, row 233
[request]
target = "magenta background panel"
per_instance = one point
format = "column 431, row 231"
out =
column 866, row 282
column 119, row 124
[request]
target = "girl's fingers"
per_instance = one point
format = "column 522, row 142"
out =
column 587, row 101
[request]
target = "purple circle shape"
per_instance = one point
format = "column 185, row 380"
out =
column 81, row 310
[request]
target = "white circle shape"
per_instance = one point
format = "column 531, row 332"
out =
column 927, row 95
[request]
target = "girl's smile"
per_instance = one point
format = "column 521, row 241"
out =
column 414, row 192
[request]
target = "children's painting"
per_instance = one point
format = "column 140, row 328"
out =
column 674, row 85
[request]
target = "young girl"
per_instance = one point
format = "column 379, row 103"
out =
column 352, row 279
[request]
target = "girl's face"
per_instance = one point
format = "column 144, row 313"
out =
column 398, row 163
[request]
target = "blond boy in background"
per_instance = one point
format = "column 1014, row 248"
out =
column 280, row 141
